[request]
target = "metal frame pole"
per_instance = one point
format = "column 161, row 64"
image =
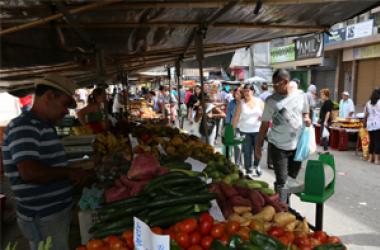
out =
column 178, row 74
column 170, row 95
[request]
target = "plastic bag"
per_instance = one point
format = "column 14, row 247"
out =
column 303, row 145
column 312, row 142
column 325, row 133
column 364, row 138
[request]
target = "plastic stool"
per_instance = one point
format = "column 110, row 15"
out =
column 229, row 140
column 315, row 190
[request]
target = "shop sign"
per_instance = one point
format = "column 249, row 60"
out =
column 367, row 52
column 337, row 36
column 359, row 30
column 283, row 54
column 309, row 47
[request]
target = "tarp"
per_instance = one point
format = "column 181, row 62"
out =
column 139, row 34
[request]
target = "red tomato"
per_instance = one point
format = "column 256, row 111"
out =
column 276, row 231
column 111, row 238
column 333, row 239
column 285, row 240
column 206, row 217
column 320, row 235
column 224, row 240
column 188, row 225
column 195, row 247
column 217, row 231
column 94, row 244
column 314, row 242
column 303, row 242
column 233, row 227
column 195, row 238
column 205, row 227
column 81, row 248
column 177, row 227
column 117, row 244
column 157, row 230
column 206, row 242
column 244, row 233
column 290, row 236
column 183, row 240
column 128, row 238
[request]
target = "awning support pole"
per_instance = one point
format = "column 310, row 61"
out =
column 178, row 74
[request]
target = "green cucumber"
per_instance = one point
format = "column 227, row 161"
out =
column 122, row 203
column 170, row 211
column 190, row 199
column 101, row 234
column 122, row 212
column 168, row 221
column 112, row 225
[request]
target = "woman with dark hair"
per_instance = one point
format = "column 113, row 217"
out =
column 248, row 119
column 372, row 123
column 325, row 116
column 94, row 111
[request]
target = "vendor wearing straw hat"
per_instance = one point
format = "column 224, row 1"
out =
column 346, row 106
column 36, row 164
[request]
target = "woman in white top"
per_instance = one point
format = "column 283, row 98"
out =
column 372, row 122
column 248, row 119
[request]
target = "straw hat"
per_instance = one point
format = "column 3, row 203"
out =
column 60, row 83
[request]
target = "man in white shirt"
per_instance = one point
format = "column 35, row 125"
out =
column 346, row 106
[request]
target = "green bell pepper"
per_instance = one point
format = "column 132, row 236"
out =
column 330, row 247
column 265, row 242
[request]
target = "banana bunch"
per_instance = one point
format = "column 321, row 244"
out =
column 107, row 143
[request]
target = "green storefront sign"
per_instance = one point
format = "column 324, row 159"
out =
column 283, row 54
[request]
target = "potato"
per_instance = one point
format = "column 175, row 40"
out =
column 267, row 226
column 236, row 217
column 242, row 210
column 266, row 214
column 302, row 229
column 257, row 225
column 246, row 223
column 291, row 226
column 283, row 218
column 247, row 215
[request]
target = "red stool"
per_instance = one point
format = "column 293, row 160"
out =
column 343, row 140
column 334, row 138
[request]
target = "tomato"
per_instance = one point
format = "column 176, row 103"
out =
column 81, row 248
column 128, row 238
column 157, row 230
column 177, row 227
column 94, row 244
column 333, row 239
column 217, row 231
column 205, row 227
column 111, row 238
column 320, row 235
column 116, row 244
column 183, row 239
column 290, row 236
column 302, row 242
column 224, row 240
column 206, row 217
column 244, row 233
column 195, row 238
column 314, row 242
column 195, row 247
column 206, row 242
column 276, row 231
column 188, row 225
column 233, row 227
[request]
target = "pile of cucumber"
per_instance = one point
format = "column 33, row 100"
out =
column 165, row 201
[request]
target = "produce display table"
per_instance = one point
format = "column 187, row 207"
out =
column 338, row 137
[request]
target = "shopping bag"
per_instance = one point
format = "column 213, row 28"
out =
column 325, row 133
column 302, row 151
column 312, row 142
column 364, row 138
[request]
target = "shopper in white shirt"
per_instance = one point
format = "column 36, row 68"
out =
column 372, row 123
column 248, row 119
column 346, row 106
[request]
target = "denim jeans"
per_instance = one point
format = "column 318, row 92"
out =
column 248, row 150
column 211, row 137
column 237, row 149
column 38, row 229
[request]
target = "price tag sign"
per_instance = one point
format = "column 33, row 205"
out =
column 196, row 166
column 145, row 239
column 216, row 212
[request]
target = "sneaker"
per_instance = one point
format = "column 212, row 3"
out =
column 294, row 186
column 258, row 171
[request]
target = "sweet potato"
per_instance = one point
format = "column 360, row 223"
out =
column 215, row 188
column 243, row 191
column 228, row 190
column 256, row 198
column 238, row 200
column 227, row 210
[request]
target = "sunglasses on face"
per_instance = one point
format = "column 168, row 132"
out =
column 278, row 83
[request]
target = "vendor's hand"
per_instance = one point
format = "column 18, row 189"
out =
column 307, row 121
column 258, row 152
column 78, row 176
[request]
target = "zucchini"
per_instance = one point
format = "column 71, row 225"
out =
column 115, row 231
column 122, row 212
column 168, row 221
column 190, row 199
column 122, row 203
column 111, row 225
